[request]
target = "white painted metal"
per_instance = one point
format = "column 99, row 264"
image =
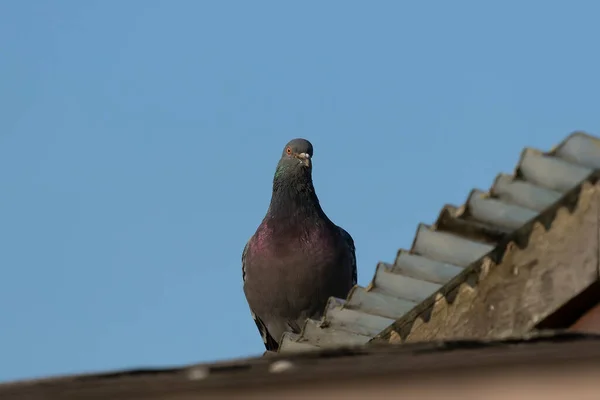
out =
column 551, row 172
column 314, row 334
column 523, row 193
column 496, row 212
column 336, row 316
column 447, row 247
column 419, row 267
column 404, row 287
column 582, row 149
column 376, row 303
column 290, row 344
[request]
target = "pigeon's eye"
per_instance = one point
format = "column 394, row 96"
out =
column 288, row 150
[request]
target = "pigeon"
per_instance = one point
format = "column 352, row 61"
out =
column 297, row 258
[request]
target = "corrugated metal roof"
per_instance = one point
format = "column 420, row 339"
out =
column 460, row 236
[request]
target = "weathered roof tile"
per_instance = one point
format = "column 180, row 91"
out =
column 459, row 237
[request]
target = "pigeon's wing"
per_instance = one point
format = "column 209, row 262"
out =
column 244, row 261
column 349, row 242
column 270, row 343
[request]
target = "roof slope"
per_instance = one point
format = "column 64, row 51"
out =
column 460, row 237
column 543, row 275
column 330, row 372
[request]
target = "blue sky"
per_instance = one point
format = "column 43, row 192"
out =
column 138, row 140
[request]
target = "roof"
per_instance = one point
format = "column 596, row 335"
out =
column 409, row 368
column 549, row 266
column 493, row 270
column 463, row 239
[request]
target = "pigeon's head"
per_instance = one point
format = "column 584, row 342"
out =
column 297, row 155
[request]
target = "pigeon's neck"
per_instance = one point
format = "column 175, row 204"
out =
column 294, row 198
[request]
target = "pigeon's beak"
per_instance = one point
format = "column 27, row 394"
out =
column 304, row 158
